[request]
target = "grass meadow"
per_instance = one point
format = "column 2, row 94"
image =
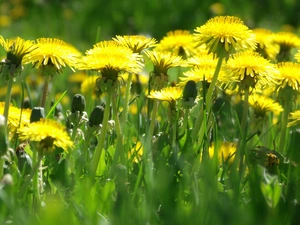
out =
column 149, row 112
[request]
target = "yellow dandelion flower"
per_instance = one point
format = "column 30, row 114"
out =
column 136, row 43
column 251, row 69
column 111, row 58
column 265, row 46
column 14, row 117
column 162, row 61
column 294, row 118
column 179, row 42
column 263, row 104
column 226, row 151
column 199, row 73
column 202, row 59
column 48, row 134
column 225, row 33
column 204, row 66
column 289, row 75
column 286, row 41
column 167, row 94
column 53, row 54
column 16, row 49
column 136, row 153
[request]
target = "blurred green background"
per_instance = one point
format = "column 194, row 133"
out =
column 83, row 22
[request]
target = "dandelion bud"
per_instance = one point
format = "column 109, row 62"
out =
column 37, row 113
column 96, row 116
column 26, row 104
column 190, row 93
column 3, row 137
column 78, row 103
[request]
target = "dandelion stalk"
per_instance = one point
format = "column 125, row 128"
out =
column 35, row 181
column 126, row 102
column 209, row 97
column 287, row 95
column 6, row 112
column 153, row 119
column 119, row 150
column 45, row 91
column 7, row 100
column 174, row 134
column 98, row 150
column 36, row 160
column 242, row 143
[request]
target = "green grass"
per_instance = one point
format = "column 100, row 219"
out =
column 166, row 188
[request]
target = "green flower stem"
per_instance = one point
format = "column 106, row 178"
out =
column 5, row 114
column 36, row 190
column 185, row 121
column 152, row 122
column 242, row 143
column 7, row 100
column 36, row 161
column 98, row 150
column 119, row 149
column 284, row 120
column 126, row 102
column 174, row 135
column 1, row 167
column 147, row 155
column 209, row 98
column 45, row 91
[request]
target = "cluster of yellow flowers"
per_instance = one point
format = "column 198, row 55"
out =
column 248, row 60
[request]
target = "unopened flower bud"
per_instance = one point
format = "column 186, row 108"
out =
column 26, row 104
column 190, row 92
column 78, row 103
column 96, row 116
column 37, row 113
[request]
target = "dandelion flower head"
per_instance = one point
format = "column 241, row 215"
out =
column 265, row 46
column 225, row 33
column 163, row 60
column 294, row 118
column 286, row 40
column 15, row 120
column 53, row 53
column 167, row 94
column 263, row 104
column 179, row 42
column 48, row 134
column 251, row 69
column 226, row 151
column 136, row 43
column 289, row 75
column 16, row 49
column 110, row 58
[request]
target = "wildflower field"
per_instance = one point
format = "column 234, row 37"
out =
column 187, row 124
